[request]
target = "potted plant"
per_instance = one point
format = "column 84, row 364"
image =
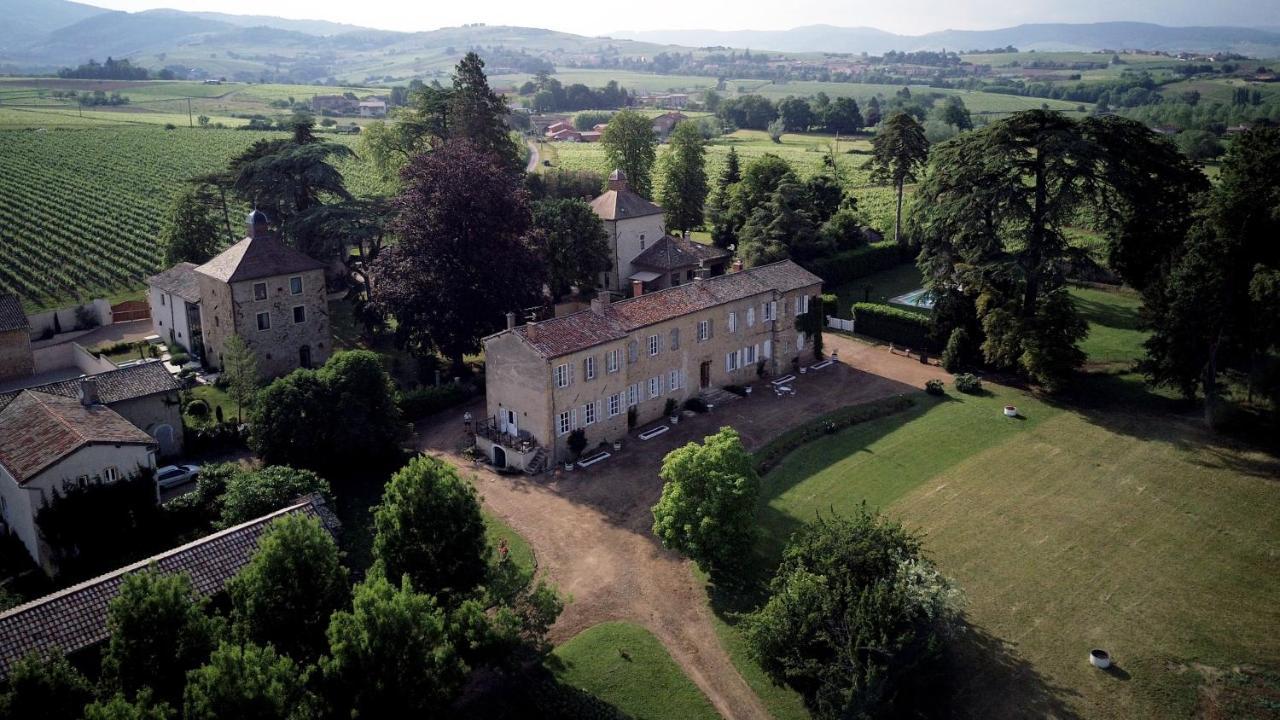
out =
column 577, row 443
column 617, row 444
column 670, row 410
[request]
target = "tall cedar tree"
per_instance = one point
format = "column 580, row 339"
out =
column 240, row 371
column 190, row 233
column 467, row 252
column 1215, row 308
column 723, row 233
column 631, row 146
column 576, row 246
column 781, row 228
column 992, row 214
column 477, row 114
column 684, row 187
column 899, row 150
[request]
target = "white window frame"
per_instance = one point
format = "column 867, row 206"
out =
column 564, row 423
column 749, row 355
column 258, row 319
column 615, row 404
column 111, row 473
column 673, row 381
column 733, row 321
column 704, row 330
column 300, row 289
column 769, row 310
column 589, row 367
column 731, row 362
column 255, row 291
column 799, row 342
column 633, row 395
column 296, row 308
column 751, row 316
column 653, row 387
column 655, row 345
column 611, row 361
column 589, row 413
column 561, row 375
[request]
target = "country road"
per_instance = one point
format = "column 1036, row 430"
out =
column 533, row 156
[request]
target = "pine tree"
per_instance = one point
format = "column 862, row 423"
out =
column 685, row 188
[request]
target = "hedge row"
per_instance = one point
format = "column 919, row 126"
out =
column 423, row 401
column 775, row 450
column 849, row 265
column 899, row 327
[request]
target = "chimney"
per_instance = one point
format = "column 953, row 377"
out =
column 702, row 273
column 618, row 180
column 88, row 391
column 599, row 303
column 256, row 224
column 637, row 288
column 737, row 265
column 531, row 331
column 511, row 321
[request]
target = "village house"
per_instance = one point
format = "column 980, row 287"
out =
column 373, row 108
column 666, row 122
column 616, row 364
column 269, row 294
column 144, row 394
column 16, row 359
column 49, row 443
column 334, row 104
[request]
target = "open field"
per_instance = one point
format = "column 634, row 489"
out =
column 625, row 665
column 80, row 209
column 1108, row 519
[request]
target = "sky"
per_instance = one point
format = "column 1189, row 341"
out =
column 908, row 17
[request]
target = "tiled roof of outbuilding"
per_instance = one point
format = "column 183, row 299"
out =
column 178, row 280
column 76, row 618
column 114, row 386
column 38, row 429
column 583, row 329
column 257, row 257
column 11, row 315
column 622, row 205
column 671, row 253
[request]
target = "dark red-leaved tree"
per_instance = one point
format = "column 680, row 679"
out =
column 465, row 254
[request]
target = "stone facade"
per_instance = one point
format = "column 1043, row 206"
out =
column 289, row 340
column 16, row 359
column 592, row 385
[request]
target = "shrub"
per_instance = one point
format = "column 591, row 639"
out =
column 968, row 383
column 198, row 409
column 695, row 404
column 86, row 319
column 935, row 387
column 423, row 401
column 830, row 304
column 959, row 350
column 631, row 417
column 577, row 442
column 670, row 408
column 179, row 358
column 852, row 264
column 900, row 327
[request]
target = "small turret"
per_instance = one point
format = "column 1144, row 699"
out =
column 617, row 180
column 255, row 224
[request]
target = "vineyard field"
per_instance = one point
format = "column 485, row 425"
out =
column 80, row 209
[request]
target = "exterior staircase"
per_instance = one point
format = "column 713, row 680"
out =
column 537, row 463
column 717, row 396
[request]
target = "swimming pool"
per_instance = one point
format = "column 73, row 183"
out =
column 916, row 298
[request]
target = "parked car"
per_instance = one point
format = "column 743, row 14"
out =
column 171, row 476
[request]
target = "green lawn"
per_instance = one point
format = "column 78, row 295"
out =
column 624, row 665
column 215, row 397
column 1092, row 522
column 1114, row 334
column 879, row 287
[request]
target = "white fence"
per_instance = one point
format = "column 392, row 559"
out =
column 836, row 323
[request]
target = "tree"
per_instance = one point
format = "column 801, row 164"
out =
column 753, row 112
column 631, row 146
column 293, row 583
column 45, row 687
column 1199, row 145
column 873, row 112
column 825, row 196
column 899, row 150
column 459, row 214
column 856, row 621
column 781, row 228
column 351, row 401
column 719, row 211
column 684, row 190
column 476, row 113
column 796, row 114
column 247, row 682
column 240, row 371
column 844, row 116
column 391, row 655
column 75, row 520
column 118, row 707
column 955, row 114
column 776, row 130
column 189, row 233
column 576, row 246
column 708, row 506
column 429, row 529
column 251, row 495
column 158, row 631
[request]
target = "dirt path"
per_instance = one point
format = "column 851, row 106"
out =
column 591, row 532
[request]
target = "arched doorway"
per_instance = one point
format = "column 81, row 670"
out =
column 164, row 435
column 499, row 457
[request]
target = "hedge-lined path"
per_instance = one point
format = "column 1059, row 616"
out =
column 590, row 529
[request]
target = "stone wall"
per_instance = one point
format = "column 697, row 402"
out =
column 234, row 310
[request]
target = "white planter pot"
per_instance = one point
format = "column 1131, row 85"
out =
column 1099, row 659
column 675, row 419
column 1010, row 411
column 617, row 445
column 568, row 467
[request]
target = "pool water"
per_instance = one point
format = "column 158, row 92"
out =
column 916, row 298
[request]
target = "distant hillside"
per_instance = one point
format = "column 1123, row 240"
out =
column 27, row 19
column 1049, row 36
column 309, row 27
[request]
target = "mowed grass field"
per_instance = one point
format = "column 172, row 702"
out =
column 1109, row 518
column 80, row 209
column 625, row 665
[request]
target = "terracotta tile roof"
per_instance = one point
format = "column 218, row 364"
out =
column 254, row 258
column 11, row 315
column 586, row 328
column 127, row 383
column 38, row 429
column 670, row 253
column 178, row 280
column 76, row 618
column 623, row 204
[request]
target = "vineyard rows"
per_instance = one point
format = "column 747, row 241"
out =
column 80, row 210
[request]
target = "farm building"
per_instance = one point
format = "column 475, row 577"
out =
column 592, row 369
column 373, row 108
column 665, row 123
